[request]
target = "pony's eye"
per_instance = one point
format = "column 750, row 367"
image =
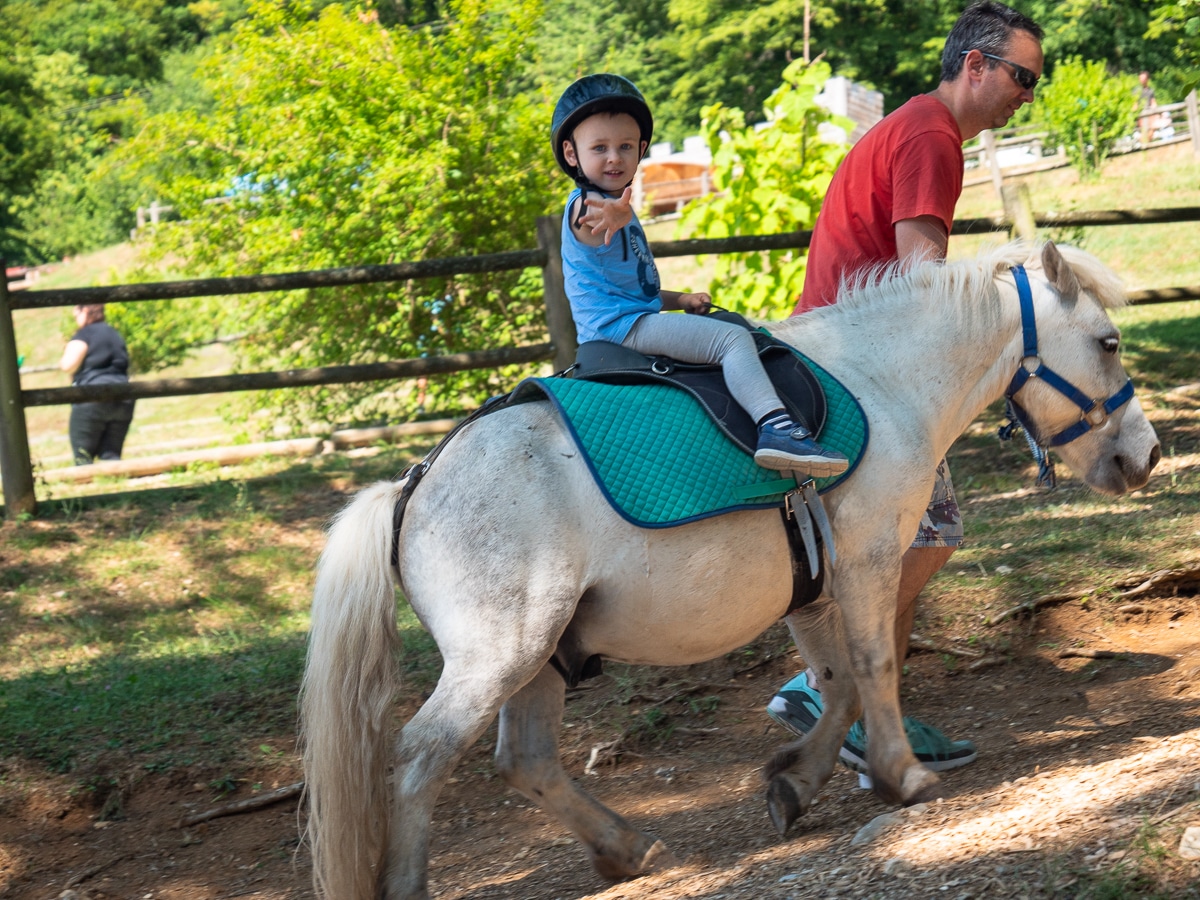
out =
column 1110, row 344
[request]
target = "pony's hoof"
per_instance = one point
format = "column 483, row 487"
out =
column 658, row 858
column 919, row 785
column 783, row 804
column 633, row 862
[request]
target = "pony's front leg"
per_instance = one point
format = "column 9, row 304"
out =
column 798, row 771
column 867, row 596
column 527, row 758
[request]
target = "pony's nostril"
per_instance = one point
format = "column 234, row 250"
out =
column 1155, row 456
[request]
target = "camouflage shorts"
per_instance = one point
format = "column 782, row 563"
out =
column 941, row 526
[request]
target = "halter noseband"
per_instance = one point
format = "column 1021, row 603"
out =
column 1094, row 412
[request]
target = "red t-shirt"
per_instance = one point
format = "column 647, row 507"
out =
column 910, row 164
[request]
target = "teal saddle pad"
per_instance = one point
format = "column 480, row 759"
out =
column 661, row 461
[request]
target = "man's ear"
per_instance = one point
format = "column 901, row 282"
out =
column 645, row 145
column 569, row 153
column 976, row 59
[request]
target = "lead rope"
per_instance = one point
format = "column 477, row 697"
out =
column 1045, row 476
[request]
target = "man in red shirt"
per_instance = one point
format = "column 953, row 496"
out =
column 891, row 203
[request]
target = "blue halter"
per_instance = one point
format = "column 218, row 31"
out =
column 1094, row 412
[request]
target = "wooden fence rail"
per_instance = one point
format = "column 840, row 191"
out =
column 15, row 463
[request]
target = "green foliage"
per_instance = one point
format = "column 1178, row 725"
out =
column 119, row 48
column 1086, row 110
column 25, row 146
column 893, row 46
column 1110, row 31
column 1179, row 22
column 331, row 142
column 770, row 180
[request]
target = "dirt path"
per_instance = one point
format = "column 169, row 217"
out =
column 1088, row 773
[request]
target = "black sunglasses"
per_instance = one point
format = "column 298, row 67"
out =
column 1021, row 75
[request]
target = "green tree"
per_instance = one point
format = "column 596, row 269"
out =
column 26, row 147
column 1179, row 23
column 119, row 48
column 770, row 180
column 579, row 37
column 333, row 141
column 1086, row 110
column 893, row 46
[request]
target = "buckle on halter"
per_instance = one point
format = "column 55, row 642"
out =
column 1031, row 364
column 1096, row 414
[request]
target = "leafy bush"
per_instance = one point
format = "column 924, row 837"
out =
column 770, row 180
column 331, row 142
column 1087, row 110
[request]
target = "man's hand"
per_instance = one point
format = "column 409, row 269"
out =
column 608, row 215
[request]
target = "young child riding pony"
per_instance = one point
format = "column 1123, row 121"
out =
column 601, row 129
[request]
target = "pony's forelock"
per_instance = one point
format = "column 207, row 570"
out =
column 1095, row 277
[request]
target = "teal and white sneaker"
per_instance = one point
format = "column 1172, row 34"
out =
column 797, row 707
column 934, row 750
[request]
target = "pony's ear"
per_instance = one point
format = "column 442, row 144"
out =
column 1059, row 273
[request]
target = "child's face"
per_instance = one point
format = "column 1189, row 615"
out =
column 608, row 148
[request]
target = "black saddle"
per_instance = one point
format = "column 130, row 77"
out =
column 797, row 387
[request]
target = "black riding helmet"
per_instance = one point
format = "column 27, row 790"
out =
column 592, row 94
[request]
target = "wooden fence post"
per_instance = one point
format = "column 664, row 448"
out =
column 988, row 140
column 1019, row 211
column 558, row 309
column 16, row 471
column 1193, row 118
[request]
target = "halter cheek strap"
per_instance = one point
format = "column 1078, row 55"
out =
column 1094, row 412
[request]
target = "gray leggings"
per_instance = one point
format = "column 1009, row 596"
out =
column 699, row 339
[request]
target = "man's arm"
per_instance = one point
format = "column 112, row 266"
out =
column 920, row 239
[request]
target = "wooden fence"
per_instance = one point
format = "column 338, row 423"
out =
column 16, row 468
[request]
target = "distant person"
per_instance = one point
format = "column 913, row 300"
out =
column 97, row 354
column 1146, row 102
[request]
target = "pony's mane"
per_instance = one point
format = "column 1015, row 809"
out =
column 959, row 286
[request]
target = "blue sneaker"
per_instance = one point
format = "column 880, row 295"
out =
column 791, row 448
column 797, row 707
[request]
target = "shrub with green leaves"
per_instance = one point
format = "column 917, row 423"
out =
column 1087, row 110
column 768, row 180
column 333, row 141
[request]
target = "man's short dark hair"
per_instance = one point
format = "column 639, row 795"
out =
column 986, row 26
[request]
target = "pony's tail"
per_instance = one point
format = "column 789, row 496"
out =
column 350, row 681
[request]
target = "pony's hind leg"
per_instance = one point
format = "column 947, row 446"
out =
column 427, row 751
column 527, row 758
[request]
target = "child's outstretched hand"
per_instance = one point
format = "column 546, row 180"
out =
column 608, row 214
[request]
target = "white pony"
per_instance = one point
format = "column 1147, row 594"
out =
column 507, row 551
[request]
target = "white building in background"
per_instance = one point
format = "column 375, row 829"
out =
column 843, row 97
column 667, row 179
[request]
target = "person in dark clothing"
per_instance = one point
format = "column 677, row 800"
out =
column 96, row 354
